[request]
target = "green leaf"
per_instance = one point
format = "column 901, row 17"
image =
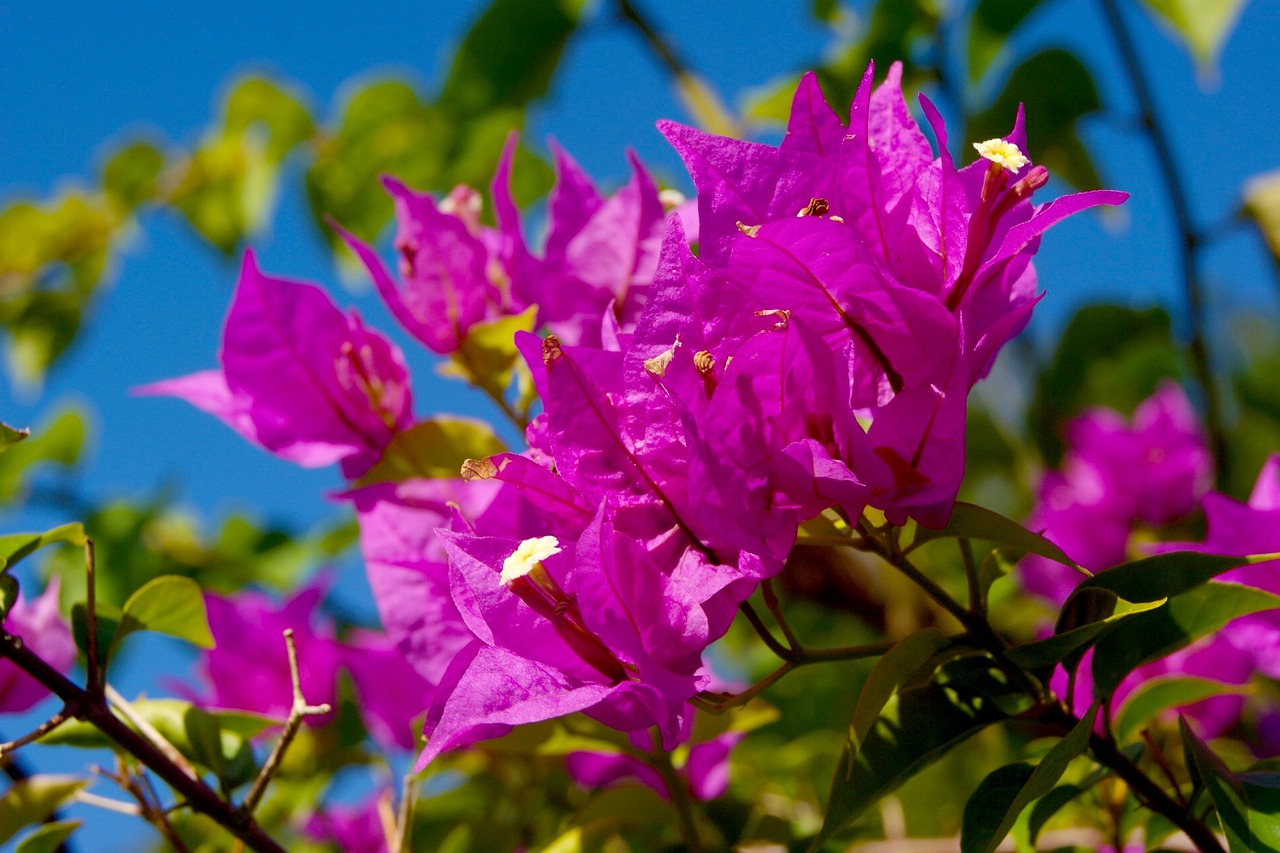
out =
column 1262, row 206
column 970, row 521
column 8, row 594
column 917, row 727
column 1165, row 575
column 170, row 605
column 1145, row 637
column 227, row 189
column 1057, row 91
column 58, row 442
column 107, row 620
column 130, row 175
column 1152, row 697
column 894, row 669
column 256, row 104
column 47, row 838
column 562, row 736
column 432, row 449
column 1247, row 830
column 1049, row 805
column 990, row 26
column 10, row 436
column 16, row 546
column 1057, row 648
column 34, row 799
column 491, row 69
column 488, row 353
column 1000, row 799
column 1203, row 25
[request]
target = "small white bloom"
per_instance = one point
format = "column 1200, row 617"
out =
column 1005, row 153
column 530, row 553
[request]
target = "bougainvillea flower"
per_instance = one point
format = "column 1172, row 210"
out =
column 705, row 769
column 42, row 629
column 300, row 378
column 354, row 829
column 248, row 668
column 914, row 272
column 389, row 692
column 1116, row 475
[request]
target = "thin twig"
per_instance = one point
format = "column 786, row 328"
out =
column 1190, row 239
column 681, row 798
column 93, row 683
column 718, row 703
column 140, row 788
column 94, row 710
column 771, row 602
column 107, row 803
column 130, row 713
column 976, row 604
column 299, row 711
column 765, row 634
column 6, row 749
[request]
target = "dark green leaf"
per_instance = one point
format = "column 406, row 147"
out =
column 915, row 728
column 1057, row 91
column 47, row 838
column 1164, row 575
column 491, row 69
column 16, row 546
column 974, row 522
column 107, row 619
column 1108, row 354
column 433, row 448
column 990, row 25
column 170, row 605
column 1061, row 646
column 1145, row 637
column 130, row 174
column 1002, row 796
column 1049, row 805
column 34, row 799
column 8, row 594
column 1247, row 831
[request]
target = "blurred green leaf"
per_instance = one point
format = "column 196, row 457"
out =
column 1262, row 205
column 32, row 800
column 1057, row 91
column 893, row 32
column 170, row 605
column 1152, row 697
column 433, row 448
column 1185, row 618
column 16, row 546
column 47, row 838
column 227, row 189
column 258, row 105
column 1107, row 354
column 488, row 353
column 1247, row 831
column 130, row 175
column 1203, row 25
column 1003, row 795
column 491, row 69
column 915, row 728
column 8, row 594
column 990, row 26
column 969, row 521
column 10, row 436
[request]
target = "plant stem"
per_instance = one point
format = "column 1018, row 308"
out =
column 93, row 683
column 298, row 711
column 1190, row 238
column 93, row 710
column 6, row 749
column 762, row 629
column 681, row 798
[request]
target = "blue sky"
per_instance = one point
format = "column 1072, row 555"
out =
column 74, row 78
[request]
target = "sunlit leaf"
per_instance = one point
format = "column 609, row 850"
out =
column 170, row 605
column 1203, row 25
column 488, row 353
column 433, row 448
column 47, row 838
column 10, row 436
column 1152, row 697
column 16, row 546
column 1003, row 795
column 1051, row 650
column 1185, row 618
column 32, row 800
column 259, row 105
column 893, row 670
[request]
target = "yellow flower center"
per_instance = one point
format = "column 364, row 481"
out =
column 527, row 556
column 1003, row 153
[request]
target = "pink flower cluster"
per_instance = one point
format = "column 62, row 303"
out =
column 809, row 343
